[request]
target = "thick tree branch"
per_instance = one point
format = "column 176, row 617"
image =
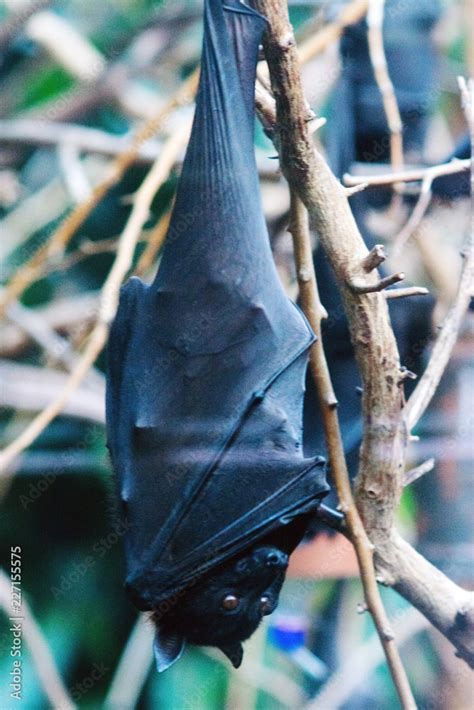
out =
column 380, row 478
column 308, row 174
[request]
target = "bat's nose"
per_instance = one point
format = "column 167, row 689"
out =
column 276, row 558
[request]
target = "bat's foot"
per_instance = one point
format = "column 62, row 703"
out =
column 332, row 518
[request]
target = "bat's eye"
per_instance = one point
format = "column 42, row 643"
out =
column 230, row 602
column 265, row 606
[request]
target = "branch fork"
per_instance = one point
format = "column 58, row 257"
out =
column 359, row 286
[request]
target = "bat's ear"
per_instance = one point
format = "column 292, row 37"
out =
column 234, row 653
column 168, row 647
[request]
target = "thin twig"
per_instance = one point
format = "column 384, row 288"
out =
column 41, row 655
column 57, row 348
column 63, row 314
column 133, row 667
column 413, row 175
column 330, row 33
column 443, row 347
column 61, row 237
column 354, row 190
column 379, row 63
column 358, row 285
column 311, row 305
column 406, row 292
column 415, row 473
column 19, row 381
column 155, row 241
column 90, row 140
column 374, row 258
column 361, row 662
column 109, row 295
column 415, row 218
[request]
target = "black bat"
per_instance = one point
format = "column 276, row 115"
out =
column 206, row 373
column 358, row 125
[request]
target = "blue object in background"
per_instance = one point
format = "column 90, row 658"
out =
column 287, row 633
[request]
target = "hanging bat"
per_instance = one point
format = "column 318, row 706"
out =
column 359, row 130
column 206, row 373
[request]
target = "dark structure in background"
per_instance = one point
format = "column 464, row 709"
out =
column 358, row 131
column 358, row 126
column 206, row 373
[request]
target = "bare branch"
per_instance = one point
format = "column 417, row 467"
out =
column 91, row 140
column 62, row 236
column 311, row 305
column 109, row 295
column 405, row 292
column 382, row 77
column 448, row 334
column 358, row 285
column 412, row 175
column 31, row 389
column 41, row 655
column 415, row 473
column 133, row 667
column 310, row 177
column 330, row 33
column 357, row 188
column 416, row 216
column 443, row 347
column 361, row 662
column 374, row 258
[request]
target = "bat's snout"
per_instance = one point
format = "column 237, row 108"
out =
column 276, row 558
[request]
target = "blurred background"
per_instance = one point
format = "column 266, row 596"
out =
column 77, row 79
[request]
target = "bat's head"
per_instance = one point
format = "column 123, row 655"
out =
column 223, row 608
